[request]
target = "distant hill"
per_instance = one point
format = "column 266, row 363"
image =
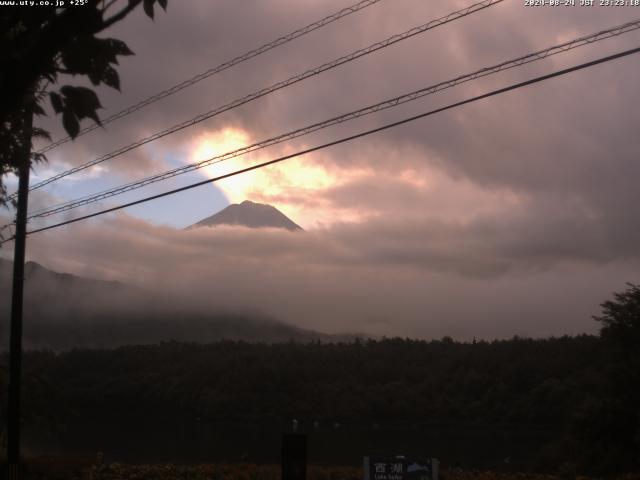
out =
column 64, row 311
column 249, row 214
column 38, row 276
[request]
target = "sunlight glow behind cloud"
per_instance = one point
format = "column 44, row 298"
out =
column 274, row 185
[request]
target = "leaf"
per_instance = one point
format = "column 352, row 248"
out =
column 82, row 101
column 94, row 57
column 51, row 76
column 163, row 4
column 148, row 8
column 111, row 78
column 81, row 98
column 119, row 47
column 95, row 77
column 77, row 55
column 39, row 157
column 56, row 102
column 71, row 124
column 41, row 133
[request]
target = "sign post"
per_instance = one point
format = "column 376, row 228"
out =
column 294, row 456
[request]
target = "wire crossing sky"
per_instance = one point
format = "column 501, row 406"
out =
column 351, row 137
column 219, row 68
column 390, row 103
column 456, row 15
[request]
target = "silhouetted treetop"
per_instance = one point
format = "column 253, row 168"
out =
column 40, row 43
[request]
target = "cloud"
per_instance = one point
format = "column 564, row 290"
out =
column 392, row 277
column 512, row 215
column 569, row 138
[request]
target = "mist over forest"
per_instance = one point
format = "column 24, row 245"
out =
column 64, row 311
column 107, row 362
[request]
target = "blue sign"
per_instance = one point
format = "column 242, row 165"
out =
column 400, row 468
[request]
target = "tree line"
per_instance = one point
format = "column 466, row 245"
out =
column 582, row 389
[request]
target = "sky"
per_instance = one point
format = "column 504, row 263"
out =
column 514, row 215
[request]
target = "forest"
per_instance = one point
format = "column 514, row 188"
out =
column 567, row 404
column 539, row 402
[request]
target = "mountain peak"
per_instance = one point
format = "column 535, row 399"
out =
column 249, row 214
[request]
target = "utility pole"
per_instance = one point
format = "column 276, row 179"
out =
column 15, row 349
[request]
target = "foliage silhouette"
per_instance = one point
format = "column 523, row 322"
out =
column 37, row 45
column 609, row 427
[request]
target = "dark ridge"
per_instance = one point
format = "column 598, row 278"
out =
column 249, row 214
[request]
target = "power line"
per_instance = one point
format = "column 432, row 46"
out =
column 399, row 100
column 349, row 138
column 277, row 86
column 220, row 68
